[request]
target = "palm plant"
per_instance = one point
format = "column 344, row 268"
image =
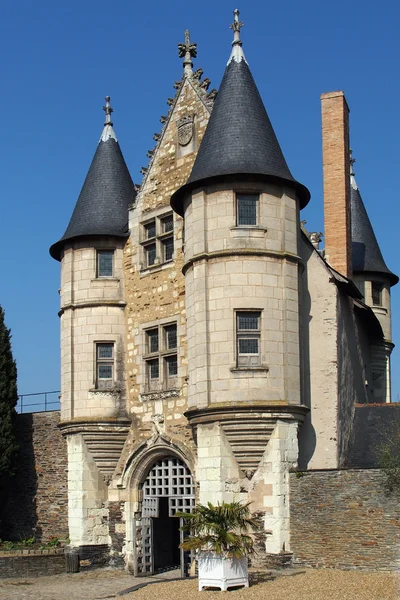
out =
column 222, row 529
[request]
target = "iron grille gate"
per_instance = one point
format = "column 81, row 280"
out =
column 168, row 478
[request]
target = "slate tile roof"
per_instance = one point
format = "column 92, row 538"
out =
column 239, row 138
column 102, row 206
column 367, row 256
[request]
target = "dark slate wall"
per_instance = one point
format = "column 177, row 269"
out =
column 370, row 425
column 37, row 495
column 343, row 519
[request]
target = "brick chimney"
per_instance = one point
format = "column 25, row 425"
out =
column 336, row 169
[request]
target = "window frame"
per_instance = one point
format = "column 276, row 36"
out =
column 102, row 251
column 248, row 360
column 163, row 355
column 159, row 241
column 377, row 287
column 104, row 383
column 240, row 196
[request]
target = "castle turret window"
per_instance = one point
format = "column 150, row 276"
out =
column 104, row 365
column 105, row 263
column 161, row 359
column 246, row 209
column 376, row 290
column 248, row 334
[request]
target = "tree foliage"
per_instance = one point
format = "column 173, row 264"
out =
column 8, row 402
column 223, row 528
column 388, row 453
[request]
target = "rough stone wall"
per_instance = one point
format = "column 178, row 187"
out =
column 13, row 564
column 343, row 519
column 156, row 295
column 37, row 502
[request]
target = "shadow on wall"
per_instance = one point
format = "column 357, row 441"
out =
column 307, row 436
column 19, row 518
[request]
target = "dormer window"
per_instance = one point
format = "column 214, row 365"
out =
column 105, row 263
column 246, row 209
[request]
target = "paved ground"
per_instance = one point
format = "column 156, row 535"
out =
column 100, row 584
column 105, row 584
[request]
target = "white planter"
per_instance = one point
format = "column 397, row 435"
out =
column 218, row 571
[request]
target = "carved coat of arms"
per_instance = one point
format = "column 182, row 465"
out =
column 185, row 127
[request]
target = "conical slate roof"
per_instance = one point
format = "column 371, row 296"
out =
column 108, row 190
column 367, row 256
column 239, row 139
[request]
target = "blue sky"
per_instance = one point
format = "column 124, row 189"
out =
column 61, row 58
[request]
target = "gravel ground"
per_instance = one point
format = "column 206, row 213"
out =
column 108, row 584
column 322, row 584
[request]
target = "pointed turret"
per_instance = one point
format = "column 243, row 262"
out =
column 108, row 190
column 367, row 256
column 239, row 139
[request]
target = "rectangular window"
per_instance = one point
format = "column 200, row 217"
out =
column 105, row 263
column 377, row 289
column 157, row 240
column 151, row 254
column 161, row 370
column 247, row 208
column 168, row 249
column 167, row 223
column 152, row 340
column 104, row 365
column 150, row 230
column 248, row 334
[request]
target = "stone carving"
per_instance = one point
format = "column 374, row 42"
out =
column 161, row 395
column 158, row 434
column 185, row 127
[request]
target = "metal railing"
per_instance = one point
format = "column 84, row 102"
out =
column 42, row 402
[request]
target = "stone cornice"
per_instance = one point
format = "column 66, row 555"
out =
column 83, row 425
column 258, row 410
column 240, row 252
column 91, row 304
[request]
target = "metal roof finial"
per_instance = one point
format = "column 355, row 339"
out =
column 352, row 161
column 187, row 51
column 236, row 26
column 108, row 110
column 237, row 51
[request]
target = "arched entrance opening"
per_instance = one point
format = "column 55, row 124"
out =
column 167, row 489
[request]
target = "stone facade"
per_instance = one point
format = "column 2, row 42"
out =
column 198, row 405
column 354, row 525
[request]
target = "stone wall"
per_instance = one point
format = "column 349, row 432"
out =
column 343, row 519
column 31, row 563
column 37, row 501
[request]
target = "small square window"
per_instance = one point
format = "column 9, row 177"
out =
column 104, row 365
column 247, row 208
column 105, row 263
column 377, row 289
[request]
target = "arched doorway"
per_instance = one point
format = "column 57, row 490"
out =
column 167, row 489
